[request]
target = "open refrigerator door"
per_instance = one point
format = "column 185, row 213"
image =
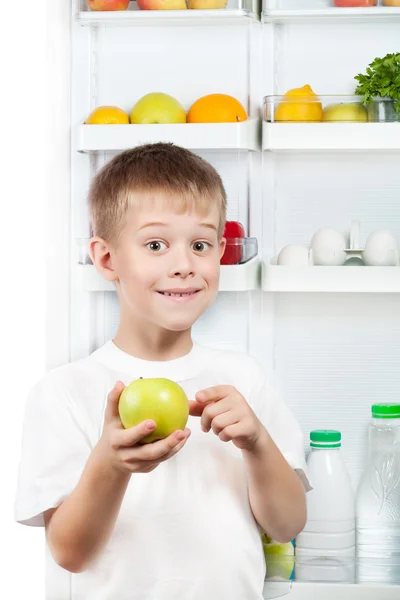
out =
column 327, row 334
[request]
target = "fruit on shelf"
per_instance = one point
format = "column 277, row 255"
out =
column 391, row 2
column 108, row 115
column 350, row 112
column 157, row 107
column 207, row 4
column 110, row 5
column 162, row 4
column 354, row 3
column 157, row 399
column 235, row 235
column 279, row 558
column 216, row 108
column 299, row 104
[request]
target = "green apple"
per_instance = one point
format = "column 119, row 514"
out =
column 279, row 558
column 350, row 112
column 161, row 400
column 157, row 108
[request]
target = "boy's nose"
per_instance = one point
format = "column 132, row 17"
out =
column 182, row 265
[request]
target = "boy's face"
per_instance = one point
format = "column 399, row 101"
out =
column 166, row 265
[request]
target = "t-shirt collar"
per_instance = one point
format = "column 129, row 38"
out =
column 178, row 369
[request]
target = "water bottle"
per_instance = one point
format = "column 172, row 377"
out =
column 378, row 501
column 325, row 549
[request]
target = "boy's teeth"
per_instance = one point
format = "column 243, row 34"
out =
column 179, row 295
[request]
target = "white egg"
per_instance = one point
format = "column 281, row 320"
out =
column 294, row 255
column 328, row 247
column 381, row 249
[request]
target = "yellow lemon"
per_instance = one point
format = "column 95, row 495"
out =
column 107, row 115
column 299, row 104
column 279, row 558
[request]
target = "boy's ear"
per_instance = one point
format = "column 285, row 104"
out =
column 222, row 245
column 100, row 254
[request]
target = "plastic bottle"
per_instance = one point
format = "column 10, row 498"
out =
column 378, row 500
column 325, row 549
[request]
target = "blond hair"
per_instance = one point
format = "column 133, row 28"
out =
column 172, row 172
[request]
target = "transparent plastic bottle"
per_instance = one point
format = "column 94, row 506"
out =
column 325, row 549
column 378, row 501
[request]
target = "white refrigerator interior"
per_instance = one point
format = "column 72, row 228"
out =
column 329, row 339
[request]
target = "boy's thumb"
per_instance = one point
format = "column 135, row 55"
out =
column 112, row 402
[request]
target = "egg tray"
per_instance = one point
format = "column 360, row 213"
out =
column 382, row 250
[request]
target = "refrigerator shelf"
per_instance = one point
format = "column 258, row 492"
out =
column 381, row 14
column 331, row 136
column 374, row 280
column 233, row 278
column 142, row 18
column 298, row 590
column 194, row 136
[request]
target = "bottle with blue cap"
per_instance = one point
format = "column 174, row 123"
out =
column 325, row 549
column 378, row 500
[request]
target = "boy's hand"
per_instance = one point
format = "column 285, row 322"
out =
column 119, row 446
column 225, row 411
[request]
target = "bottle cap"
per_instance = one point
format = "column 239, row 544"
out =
column 325, row 438
column 385, row 411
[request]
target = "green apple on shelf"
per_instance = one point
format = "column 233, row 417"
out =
column 351, row 112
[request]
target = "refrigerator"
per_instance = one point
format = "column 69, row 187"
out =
column 327, row 336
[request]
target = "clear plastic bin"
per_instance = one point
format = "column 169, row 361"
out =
column 239, row 251
column 333, row 569
column 324, row 108
column 251, row 6
column 324, row 4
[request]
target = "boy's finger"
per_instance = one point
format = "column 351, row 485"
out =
column 111, row 410
column 195, row 409
column 213, row 394
column 133, row 435
column 160, row 449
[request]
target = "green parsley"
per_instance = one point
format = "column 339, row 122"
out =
column 382, row 79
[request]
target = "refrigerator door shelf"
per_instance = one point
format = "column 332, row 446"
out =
column 233, row 278
column 381, row 14
column 194, row 136
column 152, row 18
column 295, row 590
column 350, row 279
column 346, row 137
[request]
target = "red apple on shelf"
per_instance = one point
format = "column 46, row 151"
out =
column 110, row 5
column 354, row 3
column 162, row 4
column 235, row 236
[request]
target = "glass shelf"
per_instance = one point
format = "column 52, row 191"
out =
column 335, row 108
column 236, row 12
column 328, row 11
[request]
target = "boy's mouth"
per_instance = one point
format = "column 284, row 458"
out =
column 179, row 294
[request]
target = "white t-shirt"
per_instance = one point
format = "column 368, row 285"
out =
column 185, row 530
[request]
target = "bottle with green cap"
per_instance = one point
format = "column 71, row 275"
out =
column 378, row 500
column 325, row 549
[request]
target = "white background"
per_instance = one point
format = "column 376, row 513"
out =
column 24, row 118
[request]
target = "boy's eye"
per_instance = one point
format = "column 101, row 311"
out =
column 156, row 246
column 201, row 246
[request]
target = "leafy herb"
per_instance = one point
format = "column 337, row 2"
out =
column 382, row 79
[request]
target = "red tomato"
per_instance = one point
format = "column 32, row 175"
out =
column 233, row 251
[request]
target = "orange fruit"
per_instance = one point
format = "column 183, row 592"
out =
column 299, row 104
column 107, row 115
column 216, row 108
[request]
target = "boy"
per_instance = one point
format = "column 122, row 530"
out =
column 177, row 519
